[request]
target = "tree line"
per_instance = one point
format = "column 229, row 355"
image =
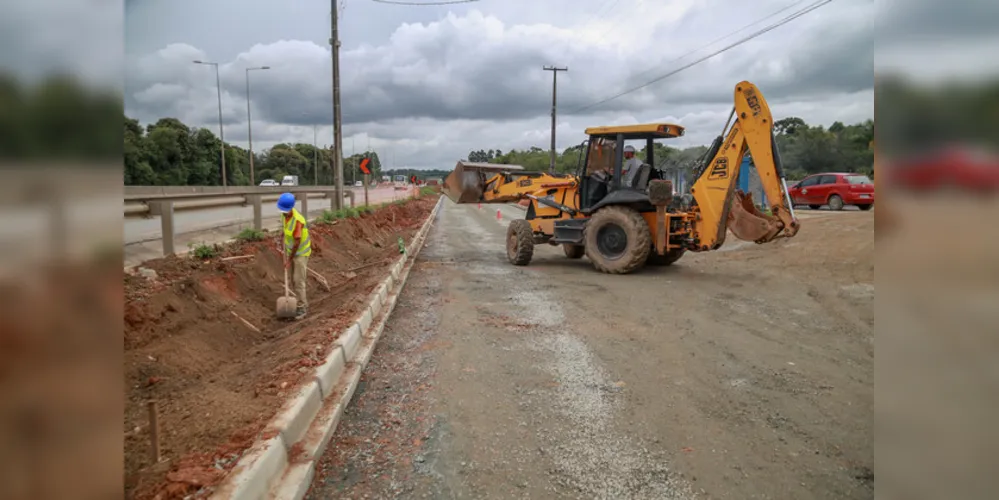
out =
column 169, row 153
column 804, row 150
column 58, row 118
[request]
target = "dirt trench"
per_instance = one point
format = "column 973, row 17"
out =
column 202, row 341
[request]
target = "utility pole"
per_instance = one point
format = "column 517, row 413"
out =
column 315, row 151
column 353, row 168
column 554, row 70
column 337, row 133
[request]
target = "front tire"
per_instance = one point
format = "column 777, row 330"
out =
column 835, row 202
column 519, row 243
column 573, row 251
column 617, row 240
column 665, row 260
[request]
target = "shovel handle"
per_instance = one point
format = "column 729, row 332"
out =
column 286, row 282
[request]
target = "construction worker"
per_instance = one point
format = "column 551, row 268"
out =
column 630, row 165
column 297, row 248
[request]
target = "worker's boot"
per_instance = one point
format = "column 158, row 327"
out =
column 300, row 312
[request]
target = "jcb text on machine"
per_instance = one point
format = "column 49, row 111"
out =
column 621, row 215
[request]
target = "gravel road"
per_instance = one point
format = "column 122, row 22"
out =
column 742, row 373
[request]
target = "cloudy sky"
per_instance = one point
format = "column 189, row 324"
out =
column 424, row 85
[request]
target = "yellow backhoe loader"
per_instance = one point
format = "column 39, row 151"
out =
column 622, row 221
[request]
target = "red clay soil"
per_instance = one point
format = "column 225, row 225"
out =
column 215, row 380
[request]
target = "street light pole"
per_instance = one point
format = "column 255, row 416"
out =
column 249, row 126
column 218, row 86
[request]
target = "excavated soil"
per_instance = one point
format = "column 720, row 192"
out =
column 202, row 341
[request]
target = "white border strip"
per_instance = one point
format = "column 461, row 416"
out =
column 307, row 421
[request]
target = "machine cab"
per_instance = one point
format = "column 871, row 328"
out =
column 603, row 180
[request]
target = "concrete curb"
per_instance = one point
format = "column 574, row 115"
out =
column 282, row 463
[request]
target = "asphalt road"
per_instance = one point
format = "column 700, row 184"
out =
column 723, row 376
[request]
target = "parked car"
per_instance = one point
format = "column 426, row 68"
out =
column 836, row 189
column 269, row 183
column 359, row 184
column 957, row 167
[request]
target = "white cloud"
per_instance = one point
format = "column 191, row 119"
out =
column 432, row 91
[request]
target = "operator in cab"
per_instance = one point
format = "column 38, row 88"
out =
column 630, row 165
column 297, row 248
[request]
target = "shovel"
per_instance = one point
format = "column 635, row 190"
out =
column 287, row 305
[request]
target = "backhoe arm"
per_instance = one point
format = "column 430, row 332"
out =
column 495, row 183
column 720, row 205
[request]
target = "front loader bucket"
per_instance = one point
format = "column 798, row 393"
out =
column 748, row 223
column 467, row 182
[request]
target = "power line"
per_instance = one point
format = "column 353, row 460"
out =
column 446, row 2
column 610, row 21
column 716, row 40
column 709, row 56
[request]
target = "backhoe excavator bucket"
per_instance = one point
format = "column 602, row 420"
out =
column 748, row 223
column 467, row 182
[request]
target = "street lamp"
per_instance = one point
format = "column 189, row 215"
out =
column 249, row 127
column 221, row 133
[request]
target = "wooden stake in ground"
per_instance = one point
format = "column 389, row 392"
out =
column 237, row 257
column 366, row 265
column 247, row 323
column 154, row 431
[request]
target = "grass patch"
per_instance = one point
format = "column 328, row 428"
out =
column 329, row 216
column 204, row 251
column 250, row 234
column 428, row 191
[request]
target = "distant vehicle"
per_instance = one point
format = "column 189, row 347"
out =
column 956, row 167
column 359, row 184
column 386, row 178
column 836, row 189
column 269, row 183
column 400, row 181
column 289, row 180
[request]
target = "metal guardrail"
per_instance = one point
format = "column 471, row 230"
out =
column 149, row 201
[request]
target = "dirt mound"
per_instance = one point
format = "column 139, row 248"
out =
column 201, row 340
column 837, row 246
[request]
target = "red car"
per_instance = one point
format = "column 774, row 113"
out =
column 961, row 167
column 834, row 189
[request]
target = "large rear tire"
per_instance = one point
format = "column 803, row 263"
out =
column 573, row 251
column 665, row 260
column 617, row 240
column 519, row 243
